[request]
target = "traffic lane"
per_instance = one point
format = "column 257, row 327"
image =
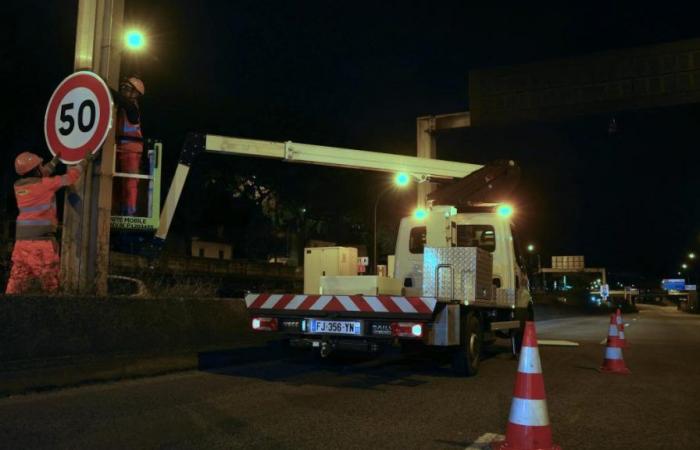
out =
column 282, row 404
column 653, row 324
column 656, row 404
column 294, row 403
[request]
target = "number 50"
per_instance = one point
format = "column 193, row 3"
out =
column 69, row 122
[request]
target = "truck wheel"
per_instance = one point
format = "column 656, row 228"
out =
column 466, row 358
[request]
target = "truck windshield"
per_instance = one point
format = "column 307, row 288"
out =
column 482, row 236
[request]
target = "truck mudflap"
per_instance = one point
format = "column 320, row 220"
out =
column 342, row 305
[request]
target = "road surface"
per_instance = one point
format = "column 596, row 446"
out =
column 294, row 403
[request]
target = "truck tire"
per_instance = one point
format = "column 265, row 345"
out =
column 466, row 358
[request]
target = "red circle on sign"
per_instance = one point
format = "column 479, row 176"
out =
column 99, row 89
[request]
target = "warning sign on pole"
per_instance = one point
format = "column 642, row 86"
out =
column 78, row 117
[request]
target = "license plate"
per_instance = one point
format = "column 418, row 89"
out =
column 336, row 327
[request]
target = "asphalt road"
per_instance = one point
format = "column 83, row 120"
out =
column 294, row 403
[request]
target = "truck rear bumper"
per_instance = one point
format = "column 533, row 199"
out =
column 342, row 344
column 360, row 306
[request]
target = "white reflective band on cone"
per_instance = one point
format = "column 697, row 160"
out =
column 613, row 353
column 271, row 301
column 529, row 360
column 613, row 330
column 622, row 334
column 296, row 301
column 532, row 413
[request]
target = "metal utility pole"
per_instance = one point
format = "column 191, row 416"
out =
column 87, row 214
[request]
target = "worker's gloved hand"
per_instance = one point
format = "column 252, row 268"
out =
column 48, row 169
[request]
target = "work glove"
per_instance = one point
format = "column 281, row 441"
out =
column 48, row 169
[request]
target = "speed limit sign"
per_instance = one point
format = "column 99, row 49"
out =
column 78, row 117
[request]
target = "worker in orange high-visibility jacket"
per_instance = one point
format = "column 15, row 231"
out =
column 129, row 140
column 35, row 255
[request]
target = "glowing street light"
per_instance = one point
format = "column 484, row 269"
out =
column 134, row 40
column 504, row 210
column 531, row 248
column 684, row 266
column 402, row 179
column 420, row 214
column 691, row 255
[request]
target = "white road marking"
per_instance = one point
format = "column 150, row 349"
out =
column 484, row 441
column 557, row 343
column 627, row 324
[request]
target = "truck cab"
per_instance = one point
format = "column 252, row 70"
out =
column 489, row 231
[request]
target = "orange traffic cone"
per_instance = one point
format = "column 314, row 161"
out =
column 528, row 424
column 613, row 362
column 621, row 328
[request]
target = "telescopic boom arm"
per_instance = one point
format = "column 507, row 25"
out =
column 423, row 169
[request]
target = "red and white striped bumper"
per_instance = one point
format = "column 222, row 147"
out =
column 349, row 304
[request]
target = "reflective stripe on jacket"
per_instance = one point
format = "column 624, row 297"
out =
column 36, row 201
column 129, row 135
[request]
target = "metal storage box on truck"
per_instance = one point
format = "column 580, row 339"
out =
column 327, row 261
column 458, row 274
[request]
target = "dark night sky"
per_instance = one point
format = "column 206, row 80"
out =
column 357, row 75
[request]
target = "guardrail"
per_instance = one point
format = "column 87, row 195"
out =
column 127, row 264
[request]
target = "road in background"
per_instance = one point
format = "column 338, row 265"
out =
column 292, row 402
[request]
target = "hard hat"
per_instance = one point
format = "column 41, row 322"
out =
column 26, row 162
column 137, row 84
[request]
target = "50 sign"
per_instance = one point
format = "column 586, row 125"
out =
column 78, row 117
column 66, row 118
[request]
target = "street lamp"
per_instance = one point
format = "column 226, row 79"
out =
column 691, row 255
column 531, row 248
column 134, row 40
column 401, row 180
column 684, row 266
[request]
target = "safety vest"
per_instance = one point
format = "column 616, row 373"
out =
column 36, row 200
column 129, row 135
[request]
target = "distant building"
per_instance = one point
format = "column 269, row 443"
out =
column 210, row 249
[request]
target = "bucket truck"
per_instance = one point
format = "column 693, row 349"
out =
column 458, row 279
